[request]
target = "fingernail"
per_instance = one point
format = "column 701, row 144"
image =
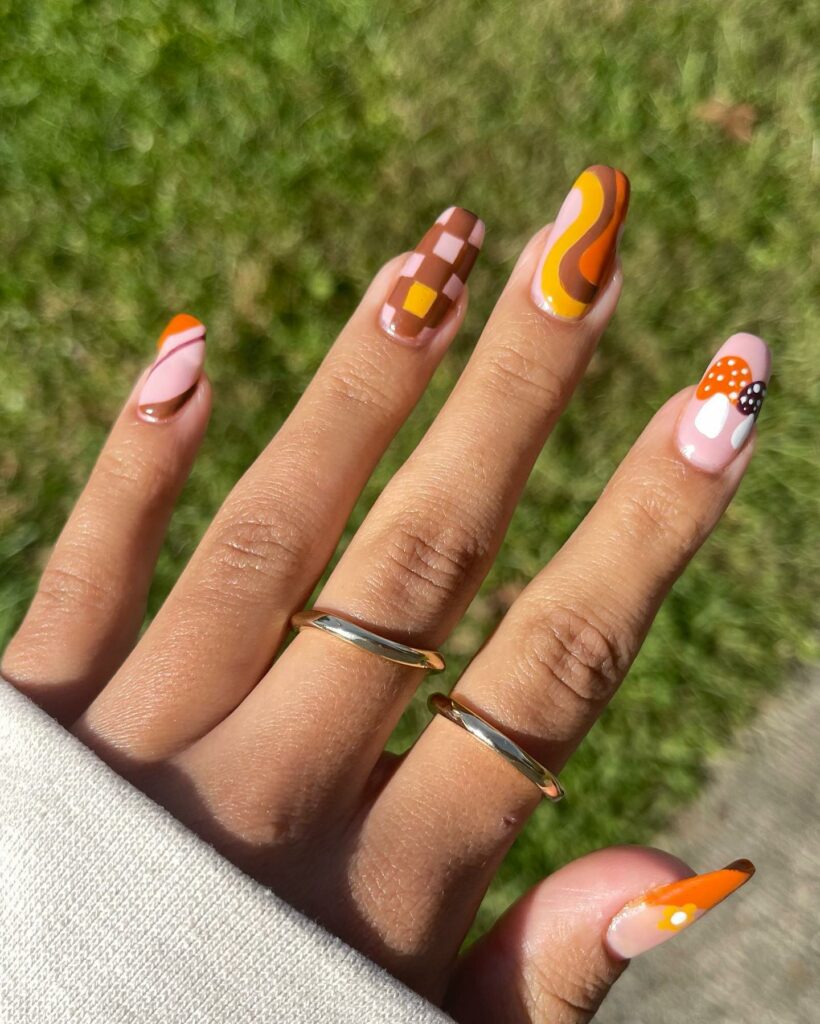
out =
column 661, row 913
column 580, row 251
column 176, row 371
column 433, row 276
column 720, row 415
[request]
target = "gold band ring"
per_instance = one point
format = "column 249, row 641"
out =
column 402, row 654
column 453, row 711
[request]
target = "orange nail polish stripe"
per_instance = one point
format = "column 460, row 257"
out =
column 661, row 913
column 705, row 891
column 174, row 376
column 581, row 247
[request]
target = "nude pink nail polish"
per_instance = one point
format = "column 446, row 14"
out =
column 661, row 913
column 176, row 371
column 720, row 416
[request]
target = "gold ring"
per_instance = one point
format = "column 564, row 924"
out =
column 453, row 711
column 401, row 654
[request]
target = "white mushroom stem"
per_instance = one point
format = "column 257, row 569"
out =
column 711, row 418
column 742, row 431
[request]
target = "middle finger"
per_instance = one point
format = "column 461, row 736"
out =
column 417, row 561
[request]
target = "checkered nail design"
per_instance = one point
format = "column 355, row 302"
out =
column 433, row 276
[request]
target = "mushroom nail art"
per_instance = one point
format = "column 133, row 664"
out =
column 722, row 412
column 177, row 368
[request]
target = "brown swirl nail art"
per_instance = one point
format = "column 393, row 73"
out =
column 177, row 368
column 580, row 250
column 433, row 276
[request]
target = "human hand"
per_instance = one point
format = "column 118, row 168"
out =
column 276, row 756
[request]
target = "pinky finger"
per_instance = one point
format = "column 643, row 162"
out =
column 557, row 952
column 89, row 605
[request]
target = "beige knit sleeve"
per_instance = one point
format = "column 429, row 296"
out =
column 111, row 912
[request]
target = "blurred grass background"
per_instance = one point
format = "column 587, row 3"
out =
column 255, row 162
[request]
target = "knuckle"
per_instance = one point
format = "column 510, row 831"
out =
column 69, row 593
column 510, row 371
column 128, row 469
column 272, row 545
column 430, row 557
column 66, row 587
column 657, row 513
column 569, row 996
column 361, row 387
column 577, row 653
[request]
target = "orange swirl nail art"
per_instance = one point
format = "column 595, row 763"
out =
column 581, row 247
column 663, row 912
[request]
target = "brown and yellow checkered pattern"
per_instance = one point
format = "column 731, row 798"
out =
column 433, row 277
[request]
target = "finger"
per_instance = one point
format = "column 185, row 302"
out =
column 90, row 601
column 220, row 627
column 422, row 552
column 546, row 674
column 556, row 953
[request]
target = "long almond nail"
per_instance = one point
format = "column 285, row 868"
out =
column 580, row 251
column 661, row 913
column 720, row 415
column 176, row 371
column 433, row 276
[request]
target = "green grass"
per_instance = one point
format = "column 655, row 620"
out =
column 255, row 162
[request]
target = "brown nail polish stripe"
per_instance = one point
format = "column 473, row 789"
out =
column 162, row 410
column 175, row 374
column 433, row 276
column 581, row 248
column 573, row 263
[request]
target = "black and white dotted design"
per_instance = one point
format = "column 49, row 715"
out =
column 751, row 398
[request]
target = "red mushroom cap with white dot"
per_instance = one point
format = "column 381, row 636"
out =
column 728, row 376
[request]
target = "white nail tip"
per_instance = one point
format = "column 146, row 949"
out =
column 712, row 417
column 742, row 431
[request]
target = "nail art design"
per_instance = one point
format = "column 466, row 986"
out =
column 661, row 913
column 176, row 370
column 433, row 276
column 720, row 416
column 580, row 250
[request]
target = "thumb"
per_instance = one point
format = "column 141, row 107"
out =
column 552, row 958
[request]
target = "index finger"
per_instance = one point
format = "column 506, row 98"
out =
column 558, row 658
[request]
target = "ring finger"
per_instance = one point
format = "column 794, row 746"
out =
column 417, row 561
